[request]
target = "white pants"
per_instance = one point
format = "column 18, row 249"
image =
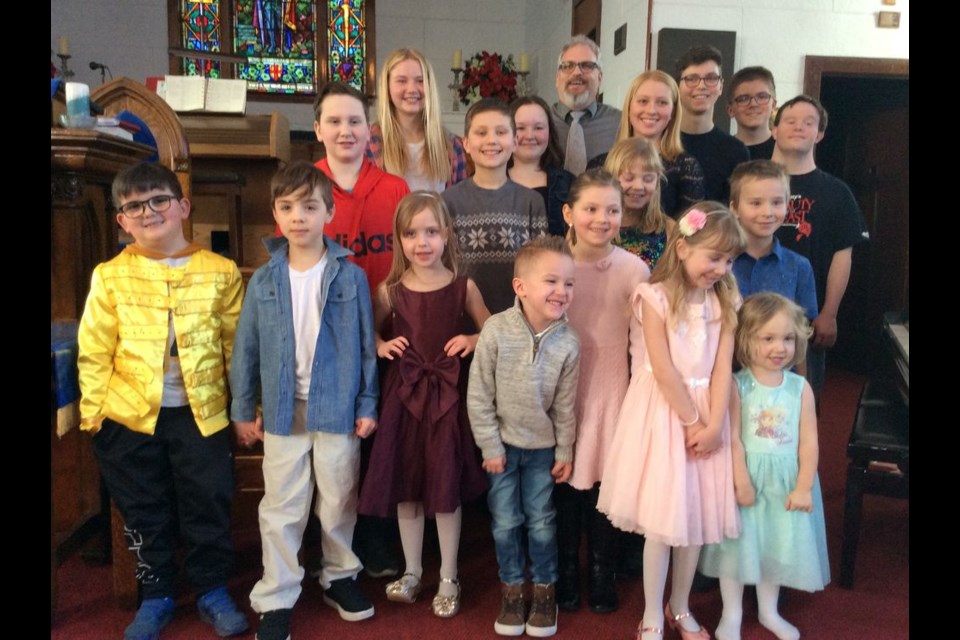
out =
column 288, row 475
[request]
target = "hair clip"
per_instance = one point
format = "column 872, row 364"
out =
column 692, row 222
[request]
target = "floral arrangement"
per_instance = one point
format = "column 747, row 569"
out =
column 692, row 222
column 488, row 75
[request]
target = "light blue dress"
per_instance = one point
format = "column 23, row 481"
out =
column 788, row 548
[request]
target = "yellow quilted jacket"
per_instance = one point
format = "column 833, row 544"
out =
column 124, row 330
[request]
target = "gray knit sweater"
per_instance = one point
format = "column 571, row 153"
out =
column 523, row 386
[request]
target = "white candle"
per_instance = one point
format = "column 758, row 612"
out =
column 457, row 58
column 524, row 62
column 63, row 46
column 78, row 99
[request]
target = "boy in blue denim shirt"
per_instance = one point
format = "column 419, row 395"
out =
column 759, row 192
column 306, row 340
column 523, row 383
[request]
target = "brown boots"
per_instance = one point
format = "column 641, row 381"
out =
column 542, row 621
column 513, row 620
column 513, row 611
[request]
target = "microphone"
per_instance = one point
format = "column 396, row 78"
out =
column 97, row 65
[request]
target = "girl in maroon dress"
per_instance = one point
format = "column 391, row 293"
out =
column 424, row 462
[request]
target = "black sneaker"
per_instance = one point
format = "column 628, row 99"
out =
column 274, row 625
column 346, row 597
column 381, row 561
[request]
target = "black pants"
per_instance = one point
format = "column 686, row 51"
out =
column 174, row 476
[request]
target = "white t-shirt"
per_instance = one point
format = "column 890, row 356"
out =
column 306, row 298
column 415, row 176
column 174, row 391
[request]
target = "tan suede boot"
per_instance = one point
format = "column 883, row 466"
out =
column 542, row 621
column 513, row 611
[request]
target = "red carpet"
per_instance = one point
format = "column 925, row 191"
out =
column 876, row 609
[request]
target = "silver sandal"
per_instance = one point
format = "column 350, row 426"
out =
column 447, row 606
column 406, row 589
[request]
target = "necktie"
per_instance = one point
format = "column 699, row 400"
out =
column 575, row 160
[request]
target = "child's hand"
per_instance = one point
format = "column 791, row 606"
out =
column 363, row 427
column 745, row 493
column 389, row 348
column 249, row 432
column 700, row 440
column 495, row 465
column 462, row 344
column 800, row 500
column 561, row 471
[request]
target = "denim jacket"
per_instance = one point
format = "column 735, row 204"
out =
column 343, row 386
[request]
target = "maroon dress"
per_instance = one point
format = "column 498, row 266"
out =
column 424, row 449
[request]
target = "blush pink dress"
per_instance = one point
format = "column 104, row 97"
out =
column 650, row 485
column 600, row 314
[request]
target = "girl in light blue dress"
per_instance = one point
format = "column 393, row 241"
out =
column 783, row 539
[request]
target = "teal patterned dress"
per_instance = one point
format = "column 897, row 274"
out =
column 788, row 548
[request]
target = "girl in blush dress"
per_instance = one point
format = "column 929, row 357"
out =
column 669, row 475
column 606, row 277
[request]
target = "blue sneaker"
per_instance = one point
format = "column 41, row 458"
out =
column 152, row 616
column 217, row 608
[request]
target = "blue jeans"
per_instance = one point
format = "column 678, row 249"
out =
column 522, row 496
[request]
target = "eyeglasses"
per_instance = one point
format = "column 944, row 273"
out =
column 760, row 99
column 136, row 208
column 586, row 66
column 711, row 80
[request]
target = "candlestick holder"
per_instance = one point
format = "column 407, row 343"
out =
column 523, row 89
column 65, row 71
column 455, row 86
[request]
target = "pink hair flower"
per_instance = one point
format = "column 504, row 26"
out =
column 692, row 222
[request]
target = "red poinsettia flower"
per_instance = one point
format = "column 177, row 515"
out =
column 486, row 75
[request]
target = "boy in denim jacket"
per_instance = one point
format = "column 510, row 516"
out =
column 306, row 340
column 155, row 341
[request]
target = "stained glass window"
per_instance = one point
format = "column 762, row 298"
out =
column 346, row 39
column 200, row 31
column 278, row 37
column 281, row 47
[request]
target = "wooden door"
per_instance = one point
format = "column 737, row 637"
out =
column 586, row 18
column 867, row 146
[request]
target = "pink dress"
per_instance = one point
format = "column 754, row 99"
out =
column 600, row 314
column 650, row 485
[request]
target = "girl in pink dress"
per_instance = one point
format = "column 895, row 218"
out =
column 606, row 277
column 669, row 474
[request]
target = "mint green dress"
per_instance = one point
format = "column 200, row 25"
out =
column 788, row 548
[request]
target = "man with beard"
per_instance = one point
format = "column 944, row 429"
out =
column 585, row 128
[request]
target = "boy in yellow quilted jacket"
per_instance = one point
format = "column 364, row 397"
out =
column 155, row 341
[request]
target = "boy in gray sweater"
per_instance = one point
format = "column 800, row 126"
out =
column 523, row 383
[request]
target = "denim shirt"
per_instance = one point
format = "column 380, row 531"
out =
column 782, row 271
column 343, row 383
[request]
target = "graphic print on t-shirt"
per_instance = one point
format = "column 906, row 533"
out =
column 797, row 210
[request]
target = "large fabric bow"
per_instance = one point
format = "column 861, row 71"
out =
column 428, row 389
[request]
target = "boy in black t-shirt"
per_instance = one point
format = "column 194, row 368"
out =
column 823, row 220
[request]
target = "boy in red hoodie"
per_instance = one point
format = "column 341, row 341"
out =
column 364, row 196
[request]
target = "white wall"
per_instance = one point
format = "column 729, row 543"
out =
column 130, row 36
column 779, row 33
column 438, row 27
